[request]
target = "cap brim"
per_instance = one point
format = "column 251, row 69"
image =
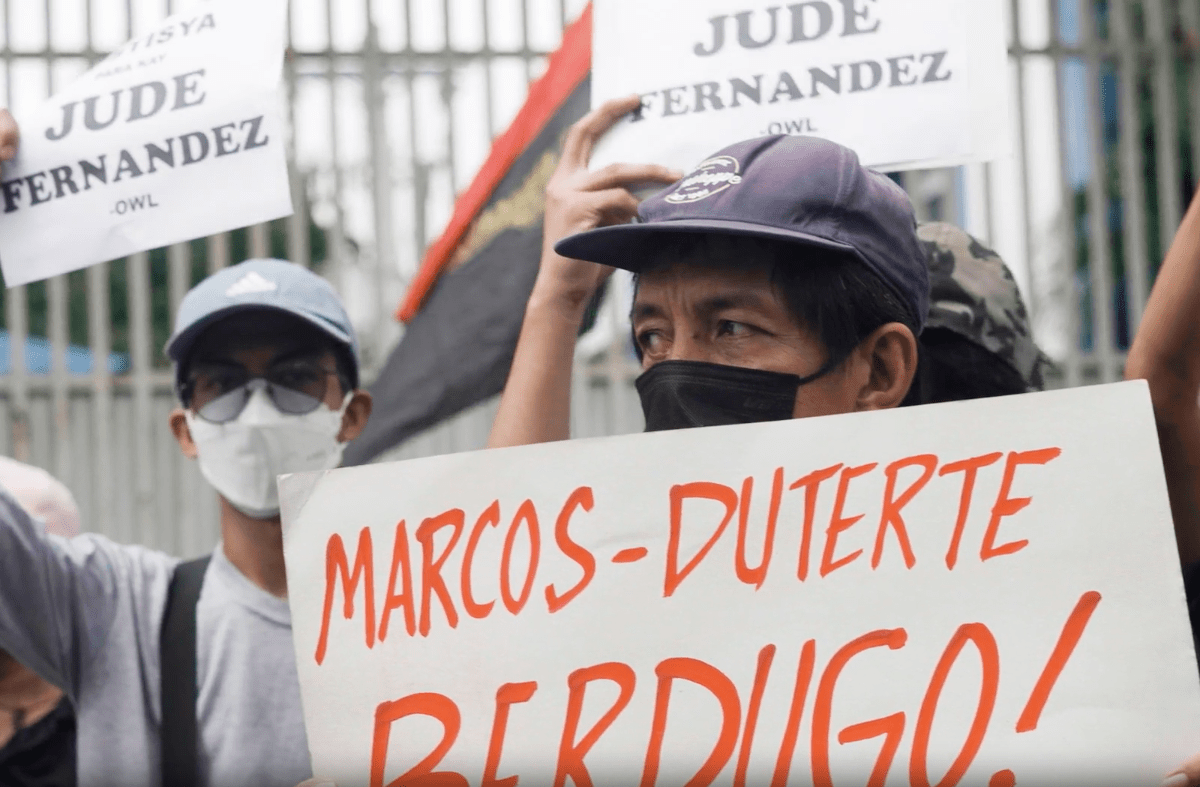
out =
column 179, row 346
column 633, row 246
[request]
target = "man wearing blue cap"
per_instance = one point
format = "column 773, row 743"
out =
column 780, row 279
column 184, row 674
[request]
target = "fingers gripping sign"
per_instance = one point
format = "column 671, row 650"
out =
column 1188, row 774
column 9, row 136
column 578, row 199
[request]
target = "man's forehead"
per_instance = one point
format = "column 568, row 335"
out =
column 748, row 275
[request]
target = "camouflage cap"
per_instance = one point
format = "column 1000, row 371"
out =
column 974, row 295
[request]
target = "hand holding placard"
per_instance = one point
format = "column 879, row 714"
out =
column 576, row 200
column 9, row 136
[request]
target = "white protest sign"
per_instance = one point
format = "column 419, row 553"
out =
column 906, row 84
column 983, row 593
column 176, row 135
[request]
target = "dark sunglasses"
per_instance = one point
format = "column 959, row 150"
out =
column 220, row 394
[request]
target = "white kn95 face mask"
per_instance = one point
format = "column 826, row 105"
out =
column 243, row 458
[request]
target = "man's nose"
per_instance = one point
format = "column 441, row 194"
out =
column 690, row 346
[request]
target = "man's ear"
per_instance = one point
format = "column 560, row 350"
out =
column 354, row 420
column 183, row 435
column 891, row 352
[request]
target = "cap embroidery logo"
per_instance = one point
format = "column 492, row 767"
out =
column 711, row 177
column 250, row 284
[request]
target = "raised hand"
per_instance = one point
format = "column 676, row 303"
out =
column 578, row 200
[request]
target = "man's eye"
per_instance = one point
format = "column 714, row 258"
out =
column 297, row 378
column 650, row 341
column 733, row 328
column 219, row 383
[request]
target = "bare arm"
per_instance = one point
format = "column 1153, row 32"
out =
column 536, row 405
column 1166, row 353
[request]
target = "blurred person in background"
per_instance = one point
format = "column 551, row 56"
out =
column 37, row 722
column 978, row 341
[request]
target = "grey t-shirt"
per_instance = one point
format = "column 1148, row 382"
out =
column 86, row 613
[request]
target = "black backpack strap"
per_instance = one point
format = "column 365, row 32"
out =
column 180, row 733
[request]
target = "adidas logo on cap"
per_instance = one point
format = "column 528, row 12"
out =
column 251, row 284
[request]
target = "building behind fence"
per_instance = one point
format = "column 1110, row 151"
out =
column 393, row 105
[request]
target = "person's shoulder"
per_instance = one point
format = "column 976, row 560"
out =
column 129, row 563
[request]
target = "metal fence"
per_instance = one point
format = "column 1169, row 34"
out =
column 393, row 105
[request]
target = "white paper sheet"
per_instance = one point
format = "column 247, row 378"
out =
column 907, row 85
column 1065, row 546
column 176, row 135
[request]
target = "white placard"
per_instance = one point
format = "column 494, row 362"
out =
column 176, row 135
column 982, row 593
column 907, row 85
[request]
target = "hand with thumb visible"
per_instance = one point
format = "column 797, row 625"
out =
column 1187, row 775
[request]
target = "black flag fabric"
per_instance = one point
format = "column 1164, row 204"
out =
column 465, row 307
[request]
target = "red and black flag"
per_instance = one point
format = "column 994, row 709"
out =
column 465, row 306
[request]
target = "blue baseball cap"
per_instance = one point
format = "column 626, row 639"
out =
column 262, row 284
column 802, row 190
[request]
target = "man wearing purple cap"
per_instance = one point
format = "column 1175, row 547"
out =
column 779, row 280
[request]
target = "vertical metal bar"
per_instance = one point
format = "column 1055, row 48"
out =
column 100, row 341
column 260, row 241
column 218, row 252
column 100, row 345
column 489, row 111
column 617, row 363
column 1100, row 257
column 1166, row 123
column 59, row 340
column 18, row 332
column 1034, row 298
column 59, row 335
column 179, row 510
column 298, row 250
column 448, row 87
column 1133, row 192
column 989, row 197
column 1069, row 248
column 417, row 168
column 140, row 321
column 337, row 234
column 179, row 275
column 381, row 189
column 525, row 53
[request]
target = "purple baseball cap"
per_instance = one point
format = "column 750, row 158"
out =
column 801, row 190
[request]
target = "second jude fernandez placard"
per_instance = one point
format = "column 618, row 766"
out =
column 976, row 593
column 906, row 84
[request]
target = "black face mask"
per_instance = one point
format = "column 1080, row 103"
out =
column 686, row 394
